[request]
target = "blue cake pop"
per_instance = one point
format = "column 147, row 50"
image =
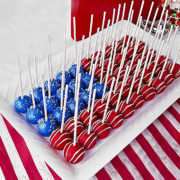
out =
column 45, row 128
column 72, row 70
column 68, row 77
column 37, row 94
column 58, row 113
column 58, row 94
column 99, row 89
column 86, row 78
column 22, row 104
column 84, row 96
column 71, row 105
column 54, row 86
column 51, row 104
column 34, row 114
column 72, row 86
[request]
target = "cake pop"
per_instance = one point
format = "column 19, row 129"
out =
column 60, row 137
column 72, row 70
column 74, row 152
column 68, row 77
column 72, row 86
column 110, row 116
column 45, row 125
column 86, row 80
column 58, row 94
column 88, row 138
column 34, row 113
column 23, row 102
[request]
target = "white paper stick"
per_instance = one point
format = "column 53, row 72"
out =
column 92, row 59
column 122, row 87
column 91, row 113
column 49, row 80
column 90, row 87
column 82, row 47
column 90, row 32
column 108, row 100
column 20, row 79
column 50, row 58
column 31, row 86
column 102, row 27
column 112, row 23
column 64, row 108
column 44, row 99
column 133, row 81
column 147, row 20
column 120, row 68
column 107, row 73
column 76, row 111
column 156, row 61
column 103, row 53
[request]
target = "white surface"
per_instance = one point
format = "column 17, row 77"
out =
column 106, row 149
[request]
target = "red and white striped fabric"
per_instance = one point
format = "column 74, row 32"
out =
column 154, row 154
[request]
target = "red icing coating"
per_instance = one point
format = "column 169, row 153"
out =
column 86, row 63
column 121, row 73
column 141, row 47
column 148, row 92
column 73, row 154
column 159, row 85
column 102, row 130
column 115, row 119
column 125, row 91
column 136, row 82
column 176, row 69
column 109, row 80
column 69, row 126
column 58, row 140
column 137, row 100
column 84, row 117
column 167, row 77
column 87, row 140
column 127, row 110
column 98, row 72
column 113, row 99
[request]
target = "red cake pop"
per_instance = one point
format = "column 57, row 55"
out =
column 69, row 126
column 119, row 46
column 115, row 119
column 101, row 129
column 167, row 77
column 174, row 68
column 136, row 83
column 137, row 100
column 141, row 47
column 130, row 52
column 106, row 65
column 59, row 139
column 88, row 138
column 148, row 92
column 109, row 80
column 159, row 85
column 120, row 72
column 126, row 89
column 99, row 107
column 86, row 63
column 73, row 153
column 127, row 109
column 98, row 72
column 113, row 99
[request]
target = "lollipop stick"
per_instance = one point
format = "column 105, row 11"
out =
column 121, row 90
column 20, row 79
column 90, row 32
column 90, row 87
column 176, row 58
column 64, row 108
column 108, row 100
column 91, row 113
column 133, row 81
column 36, row 72
column 44, row 100
column 30, row 78
column 49, row 80
column 76, row 111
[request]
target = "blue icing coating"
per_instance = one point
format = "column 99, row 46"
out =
column 37, row 94
column 68, row 77
column 58, row 94
column 54, row 86
column 34, row 114
column 45, row 128
column 84, row 96
column 99, row 89
column 72, row 86
column 71, row 105
column 72, row 70
column 58, row 113
column 22, row 104
column 51, row 103
column 86, row 78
